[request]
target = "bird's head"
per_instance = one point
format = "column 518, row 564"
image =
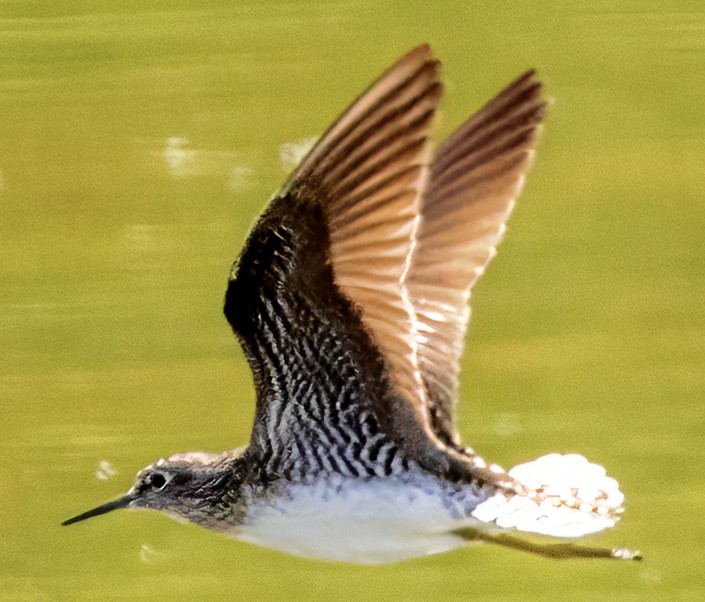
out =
column 187, row 486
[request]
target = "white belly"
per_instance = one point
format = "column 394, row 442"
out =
column 358, row 521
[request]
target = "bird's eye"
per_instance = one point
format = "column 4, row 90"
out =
column 157, row 481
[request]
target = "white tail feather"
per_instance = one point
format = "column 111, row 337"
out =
column 569, row 497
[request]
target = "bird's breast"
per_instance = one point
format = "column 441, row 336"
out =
column 366, row 521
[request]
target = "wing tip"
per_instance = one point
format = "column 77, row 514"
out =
column 421, row 55
column 423, row 49
column 526, row 89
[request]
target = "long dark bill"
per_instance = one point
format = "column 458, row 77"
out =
column 110, row 506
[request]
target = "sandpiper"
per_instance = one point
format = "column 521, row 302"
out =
column 351, row 303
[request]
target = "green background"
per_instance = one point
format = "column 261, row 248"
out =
column 139, row 140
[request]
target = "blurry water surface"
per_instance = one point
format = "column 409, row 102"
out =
column 139, row 140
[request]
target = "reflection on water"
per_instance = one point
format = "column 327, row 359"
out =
column 290, row 153
column 177, row 157
column 148, row 554
column 122, row 208
column 105, row 471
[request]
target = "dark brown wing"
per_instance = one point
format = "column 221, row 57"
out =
column 318, row 298
column 475, row 178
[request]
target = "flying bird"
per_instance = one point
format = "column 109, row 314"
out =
column 351, row 303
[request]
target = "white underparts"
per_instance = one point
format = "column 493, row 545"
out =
column 367, row 522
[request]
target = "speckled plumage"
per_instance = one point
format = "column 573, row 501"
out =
column 350, row 301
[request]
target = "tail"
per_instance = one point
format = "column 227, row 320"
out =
column 568, row 497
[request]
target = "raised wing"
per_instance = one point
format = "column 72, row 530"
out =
column 475, row 178
column 318, row 298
